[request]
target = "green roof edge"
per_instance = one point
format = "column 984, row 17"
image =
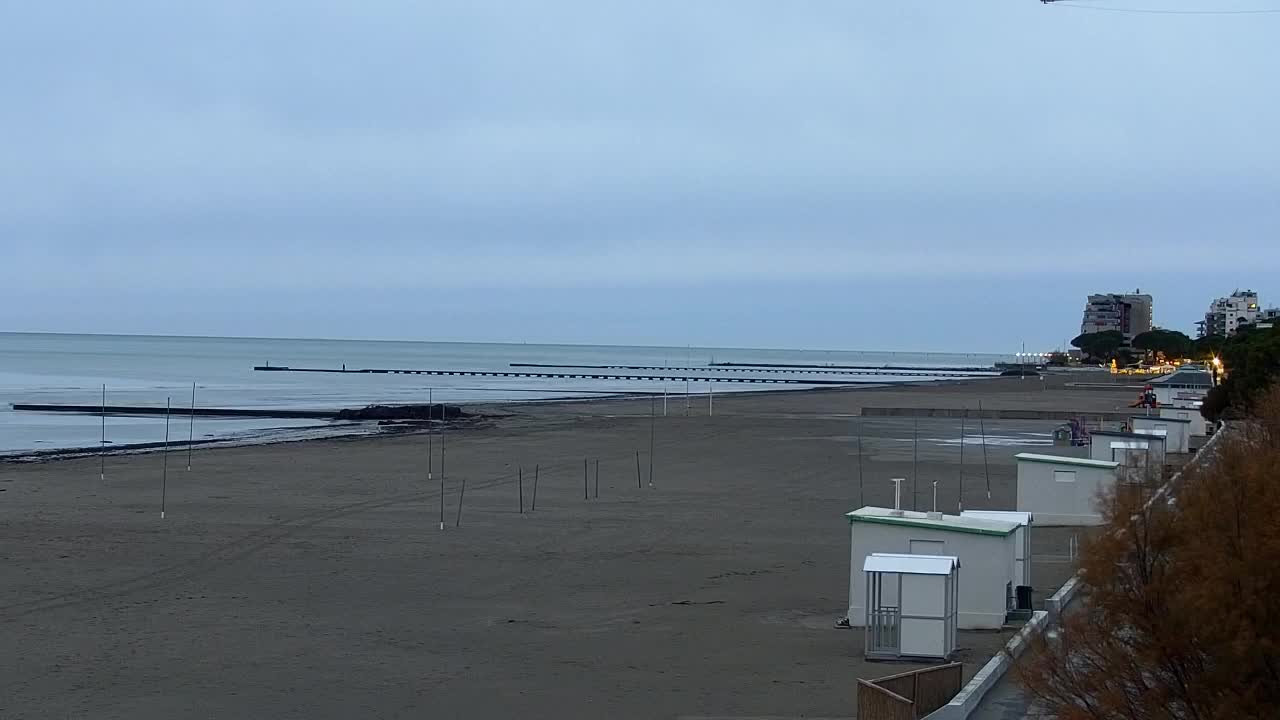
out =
column 882, row 520
column 1071, row 460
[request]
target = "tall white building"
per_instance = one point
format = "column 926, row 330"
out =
column 1227, row 314
column 1128, row 313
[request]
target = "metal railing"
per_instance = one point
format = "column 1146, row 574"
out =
column 883, row 633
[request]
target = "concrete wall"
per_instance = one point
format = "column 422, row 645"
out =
column 1177, row 435
column 970, row 696
column 987, row 563
column 1054, row 502
column 1198, row 425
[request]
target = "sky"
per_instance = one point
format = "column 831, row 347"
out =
column 906, row 175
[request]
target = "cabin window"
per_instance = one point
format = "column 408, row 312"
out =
column 1064, row 476
column 927, row 547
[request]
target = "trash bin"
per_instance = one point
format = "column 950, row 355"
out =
column 1023, row 600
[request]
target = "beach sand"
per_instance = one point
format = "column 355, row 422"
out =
column 311, row 580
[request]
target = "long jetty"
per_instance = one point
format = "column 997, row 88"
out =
column 999, row 413
column 184, row 412
column 565, row 375
column 800, row 367
column 438, row 411
column 798, row 370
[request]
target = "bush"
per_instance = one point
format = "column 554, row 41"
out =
column 1183, row 596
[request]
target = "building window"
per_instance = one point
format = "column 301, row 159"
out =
column 927, row 547
column 1064, row 476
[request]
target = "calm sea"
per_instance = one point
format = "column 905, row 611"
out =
column 148, row 370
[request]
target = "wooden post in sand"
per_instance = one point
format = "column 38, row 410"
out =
column 520, row 483
column 164, row 477
column 638, row 486
column 534, row 505
column 585, row 494
column 462, row 493
column 597, row 478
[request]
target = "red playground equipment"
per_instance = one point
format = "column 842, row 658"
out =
column 1147, row 399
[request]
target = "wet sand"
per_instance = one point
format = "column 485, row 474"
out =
column 311, row 580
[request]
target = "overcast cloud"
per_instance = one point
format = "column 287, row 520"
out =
column 914, row 174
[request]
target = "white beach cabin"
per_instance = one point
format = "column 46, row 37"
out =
column 1175, row 431
column 1198, row 425
column 1127, row 448
column 986, row 549
column 911, row 606
column 1021, row 539
column 1060, row 490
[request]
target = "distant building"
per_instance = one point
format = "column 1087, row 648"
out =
column 1227, row 314
column 1184, row 388
column 1128, row 313
column 1267, row 318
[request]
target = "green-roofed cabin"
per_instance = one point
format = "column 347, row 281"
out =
column 987, row 549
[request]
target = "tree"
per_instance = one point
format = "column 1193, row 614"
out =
column 1206, row 348
column 1182, row 612
column 1250, row 362
column 1100, row 346
column 1158, row 341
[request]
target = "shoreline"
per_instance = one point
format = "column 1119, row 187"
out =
column 372, row 429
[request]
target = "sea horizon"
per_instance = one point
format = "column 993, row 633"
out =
column 548, row 343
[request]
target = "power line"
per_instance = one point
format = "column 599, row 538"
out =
column 1150, row 11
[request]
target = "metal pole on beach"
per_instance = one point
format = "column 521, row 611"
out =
column 520, row 484
column 191, row 428
column 164, row 476
column 960, row 500
column 431, row 412
column 597, row 478
column 711, row 396
column 102, row 452
column 463, row 490
column 860, row 500
column 665, row 366
column 652, row 421
column 915, row 458
column 986, row 469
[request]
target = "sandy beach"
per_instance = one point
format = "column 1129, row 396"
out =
column 311, row 579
